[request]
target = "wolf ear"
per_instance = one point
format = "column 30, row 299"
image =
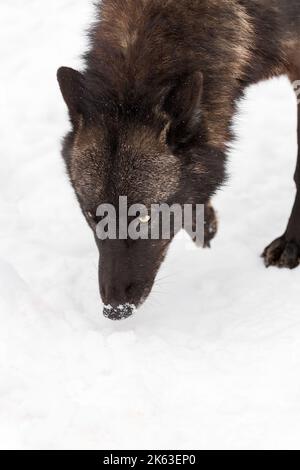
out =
column 183, row 106
column 72, row 87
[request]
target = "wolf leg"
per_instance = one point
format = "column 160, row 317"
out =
column 210, row 227
column 284, row 252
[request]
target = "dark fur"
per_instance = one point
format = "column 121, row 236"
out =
column 152, row 114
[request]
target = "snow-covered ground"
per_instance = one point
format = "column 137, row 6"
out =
column 213, row 358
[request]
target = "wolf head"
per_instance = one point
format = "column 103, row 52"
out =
column 150, row 149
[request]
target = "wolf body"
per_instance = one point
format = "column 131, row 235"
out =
column 152, row 112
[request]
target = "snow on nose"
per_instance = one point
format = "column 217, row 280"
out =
column 120, row 312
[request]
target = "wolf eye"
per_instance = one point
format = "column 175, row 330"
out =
column 144, row 219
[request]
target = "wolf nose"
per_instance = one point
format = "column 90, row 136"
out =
column 120, row 312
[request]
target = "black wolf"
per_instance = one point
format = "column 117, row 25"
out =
column 151, row 117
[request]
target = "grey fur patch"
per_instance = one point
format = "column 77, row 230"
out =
column 143, row 168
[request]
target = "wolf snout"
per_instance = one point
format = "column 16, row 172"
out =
column 126, row 275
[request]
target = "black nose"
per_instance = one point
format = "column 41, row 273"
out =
column 120, row 312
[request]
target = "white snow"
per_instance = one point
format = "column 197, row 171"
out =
column 213, row 358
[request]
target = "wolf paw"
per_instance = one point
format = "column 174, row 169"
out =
column 211, row 225
column 282, row 253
